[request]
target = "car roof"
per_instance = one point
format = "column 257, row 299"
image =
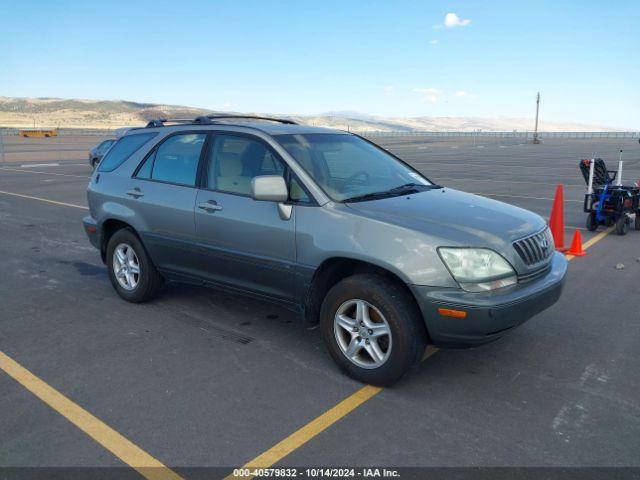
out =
column 270, row 128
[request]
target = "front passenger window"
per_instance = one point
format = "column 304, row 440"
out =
column 234, row 161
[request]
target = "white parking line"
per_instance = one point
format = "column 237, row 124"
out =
column 521, row 196
column 494, row 166
column 32, row 165
column 454, row 179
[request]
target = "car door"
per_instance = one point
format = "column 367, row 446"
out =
column 163, row 193
column 243, row 242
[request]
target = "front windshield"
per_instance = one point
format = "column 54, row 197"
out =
column 347, row 167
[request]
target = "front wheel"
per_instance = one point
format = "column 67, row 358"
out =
column 372, row 328
column 637, row 222
column 592, row 222
column 131, row 270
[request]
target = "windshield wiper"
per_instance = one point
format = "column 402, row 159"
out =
column 404, row 189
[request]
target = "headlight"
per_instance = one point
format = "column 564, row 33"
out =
column 478, row 269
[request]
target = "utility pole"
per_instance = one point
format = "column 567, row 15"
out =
column 535, row 132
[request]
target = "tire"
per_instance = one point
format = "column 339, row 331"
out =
column 389, row 308
column 592, row 222
column 637, row 222
column 141, row 286
column 622, row 225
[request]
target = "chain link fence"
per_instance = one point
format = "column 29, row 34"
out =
column 519, row 135
column 72, row 144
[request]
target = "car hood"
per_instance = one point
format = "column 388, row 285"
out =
column 456, row 217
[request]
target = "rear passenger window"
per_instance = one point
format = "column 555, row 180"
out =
column 234, row 161
column 175, row 160
column 123, row 149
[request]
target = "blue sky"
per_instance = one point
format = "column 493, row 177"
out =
column 392, row 58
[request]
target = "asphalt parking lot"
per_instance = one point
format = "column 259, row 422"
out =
column 208, row 379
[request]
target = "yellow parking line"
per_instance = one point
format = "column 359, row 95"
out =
column 346, row 406
column 44, row 173
column 308, row 431
column 64, row 204
column 106, row 436
column 317, row 425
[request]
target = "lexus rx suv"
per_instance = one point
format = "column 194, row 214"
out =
column 326, row 223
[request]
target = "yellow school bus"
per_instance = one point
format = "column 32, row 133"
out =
column 38, row 133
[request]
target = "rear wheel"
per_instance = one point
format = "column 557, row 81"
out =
column 131, row 271
column 622, row 225
column 372, row 328
column 592, row 222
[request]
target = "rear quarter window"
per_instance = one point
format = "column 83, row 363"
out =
column 123, row 149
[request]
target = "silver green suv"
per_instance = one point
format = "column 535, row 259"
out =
column 326, row 223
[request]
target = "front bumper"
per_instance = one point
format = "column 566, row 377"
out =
column 489, row 314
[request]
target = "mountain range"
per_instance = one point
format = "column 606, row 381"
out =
column 77, row 113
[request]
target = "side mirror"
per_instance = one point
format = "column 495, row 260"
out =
column 269, row 188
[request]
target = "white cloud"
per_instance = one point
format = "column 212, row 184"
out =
column 226, row 105
column 433, row 42
column 389, row 90
column 453, row 20
column 463, row 94
column 429, row 95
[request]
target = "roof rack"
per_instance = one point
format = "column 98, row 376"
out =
column 210, row 119
column 159, row 122
column 214, row 118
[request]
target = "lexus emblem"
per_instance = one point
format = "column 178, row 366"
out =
column 544, row 244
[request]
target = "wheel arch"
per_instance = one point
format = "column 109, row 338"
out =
column 335, row 269
column 108, row 228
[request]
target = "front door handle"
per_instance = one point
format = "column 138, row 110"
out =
column 135, row 193
column 210, row 206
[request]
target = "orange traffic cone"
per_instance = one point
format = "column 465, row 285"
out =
column 556, row 220
column 576, row 245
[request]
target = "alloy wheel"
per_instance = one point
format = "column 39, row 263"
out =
column 126, row 266
column 362, row 333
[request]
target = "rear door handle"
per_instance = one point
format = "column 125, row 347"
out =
column 135, row 193
column 210, row 206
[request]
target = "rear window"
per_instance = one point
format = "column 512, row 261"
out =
column 104, row 146
column 123, row 149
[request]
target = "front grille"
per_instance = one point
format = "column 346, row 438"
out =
column 536, row 248
column 539, row 272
